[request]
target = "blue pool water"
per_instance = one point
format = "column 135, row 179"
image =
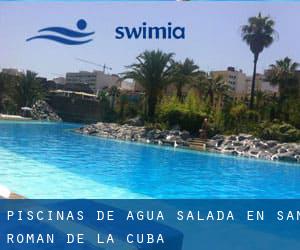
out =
column 48, row 160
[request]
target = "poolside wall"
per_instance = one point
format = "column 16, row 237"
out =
column 79, row 110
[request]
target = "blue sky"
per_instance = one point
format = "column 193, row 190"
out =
column 212, row 34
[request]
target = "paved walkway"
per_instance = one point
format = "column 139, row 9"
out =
column 14, row 118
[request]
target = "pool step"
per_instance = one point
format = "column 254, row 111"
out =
column 198, row 144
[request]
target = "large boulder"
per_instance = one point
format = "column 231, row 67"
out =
column 41, row 110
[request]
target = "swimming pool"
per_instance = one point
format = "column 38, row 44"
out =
column 49, row 160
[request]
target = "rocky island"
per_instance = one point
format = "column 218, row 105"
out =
column 239, row 145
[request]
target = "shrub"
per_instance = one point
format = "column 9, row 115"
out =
column 282, row 132
column 294, row 113
column 185, row 119
column 243, row 119
column 186, row 115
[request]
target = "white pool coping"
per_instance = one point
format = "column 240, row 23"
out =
column 14, row 117
column 4, row 192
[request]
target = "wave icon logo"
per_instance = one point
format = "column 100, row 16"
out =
column 65, row 35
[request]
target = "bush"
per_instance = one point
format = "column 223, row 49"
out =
column 185, row 119
column 187, row 116
column 282, row 132
column 294, row 113
column 243, row 119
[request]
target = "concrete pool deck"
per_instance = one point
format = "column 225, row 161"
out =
column 14, row 118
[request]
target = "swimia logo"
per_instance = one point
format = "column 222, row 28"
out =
column 150, row 32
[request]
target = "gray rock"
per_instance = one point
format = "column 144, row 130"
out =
column 243, row 145
column 185, row 135
column 41, row 110
column 261, row 145
column 242, row 137
column 289, row 156
column 174, row 132
column 265, row 155
column 237, row 144
column 137, row 121
column 229, row 148
column 272, row 143
column 218, row 137
column 232, row 138
column 282, row 150
column 243, row 148
column 212, row 144
column 254, row 152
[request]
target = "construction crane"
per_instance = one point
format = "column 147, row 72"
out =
column 104, row 66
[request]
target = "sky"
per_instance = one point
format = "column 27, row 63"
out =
column 212, row 40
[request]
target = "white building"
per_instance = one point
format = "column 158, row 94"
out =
column 12, row 71
column 236, row 80
column 59, row 80
column 130, row 86
column 261, row 84
column 240, row 83
column 97, row 80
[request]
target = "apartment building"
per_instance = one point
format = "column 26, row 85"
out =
column 236, row 80
column 12, row 71
column 241, row 84
column 261, row 84
column 96, row 80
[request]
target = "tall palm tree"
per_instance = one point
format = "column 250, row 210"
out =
column 184, row 73
column 153, row 72
column 258, row 34
column 283, row 75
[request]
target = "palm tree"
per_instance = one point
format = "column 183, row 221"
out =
column 153, row 72
column 29, row 89
column 258, row 34
column 184, row 73
column 200, row 84
column 283, row 75
column 7, row 91
column 216, row 88
column 2, row 89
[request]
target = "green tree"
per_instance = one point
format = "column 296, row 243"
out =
column 153, row 71
column 283, row 75
column 258, row 34
column 103, row 96
column 200, row 85
column 184, row 73
column 28, row 89
column 7, row 90
column 216, row 89
column 2, row 89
